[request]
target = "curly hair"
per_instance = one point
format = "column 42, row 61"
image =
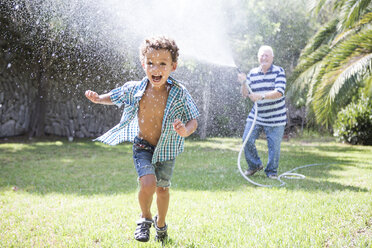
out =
column 157, row 43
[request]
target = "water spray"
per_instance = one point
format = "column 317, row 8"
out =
column 288, row 174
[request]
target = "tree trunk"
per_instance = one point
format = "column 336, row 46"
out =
column 206, row 103
column 37, row 123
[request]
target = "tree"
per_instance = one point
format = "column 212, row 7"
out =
column 39, row 34
column 284, row 25
column 59, row 43
column 337, row 60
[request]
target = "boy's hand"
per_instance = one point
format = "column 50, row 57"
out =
column 92, row 96
column 180, row 128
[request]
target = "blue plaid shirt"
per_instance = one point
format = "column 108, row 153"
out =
column 180, row 105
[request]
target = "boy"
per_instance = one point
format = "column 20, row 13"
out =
column 158, row 114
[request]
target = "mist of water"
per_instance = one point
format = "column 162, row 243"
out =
column 199, row 27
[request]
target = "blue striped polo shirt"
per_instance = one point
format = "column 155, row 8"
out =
column 179, row 105
column 271, row 112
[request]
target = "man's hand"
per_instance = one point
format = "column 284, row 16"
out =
column 242, row 77
column 255, row 97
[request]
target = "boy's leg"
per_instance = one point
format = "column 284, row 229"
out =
column 146, row 193
column 145, row 196
column 164, row 172
column 142, row 155
column 162, row 202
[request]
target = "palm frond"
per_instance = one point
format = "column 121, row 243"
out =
column 311, row 59
column 322, row 104
column 361, row 42
column 300, row 85
column 366, row 18
column 360, row 26
column 305, row 77
column 356, row 68
column 323, row 36
column 342, row 66
column 351, row 12
column 336, row 62
column 339, row 4
column 315, row 83
column 310, row 95
column 344, row 35
column 367, row 89
column 316, row 6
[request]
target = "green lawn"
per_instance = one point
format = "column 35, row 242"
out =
column 55, row 193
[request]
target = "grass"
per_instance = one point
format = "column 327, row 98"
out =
column 55, row 193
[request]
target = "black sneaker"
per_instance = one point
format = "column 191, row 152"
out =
column 251, row 172
column 142, row 232
column 161, row 232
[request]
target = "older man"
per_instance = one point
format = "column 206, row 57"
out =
column 267, row 83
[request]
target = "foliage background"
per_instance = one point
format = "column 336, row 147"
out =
column 56, row 60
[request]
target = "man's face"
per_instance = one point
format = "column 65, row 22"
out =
column 265, row 58
column 158, row 65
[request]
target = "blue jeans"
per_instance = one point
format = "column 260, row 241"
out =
column 142, row 157
column 274, row 137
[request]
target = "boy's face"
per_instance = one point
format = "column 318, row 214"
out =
column 158, row 65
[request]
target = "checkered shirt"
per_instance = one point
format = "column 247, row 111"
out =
column 179, row 105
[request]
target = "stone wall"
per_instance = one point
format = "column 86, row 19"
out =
column 75, row 118
column 69, row 113
column 15, row 102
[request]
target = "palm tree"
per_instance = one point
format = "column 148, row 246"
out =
column 337, row 62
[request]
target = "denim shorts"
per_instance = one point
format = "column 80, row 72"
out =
column 142, row 156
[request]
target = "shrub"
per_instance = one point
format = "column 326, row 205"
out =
column 354, row 123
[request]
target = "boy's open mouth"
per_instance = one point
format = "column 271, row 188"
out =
column 156, row 78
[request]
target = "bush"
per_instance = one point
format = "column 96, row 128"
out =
column 354, row 123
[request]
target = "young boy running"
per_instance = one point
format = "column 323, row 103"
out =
column 158, row 114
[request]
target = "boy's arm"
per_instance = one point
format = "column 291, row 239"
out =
column 185, row 130
column 101, row 99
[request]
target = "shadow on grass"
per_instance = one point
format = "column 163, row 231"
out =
column 216, row 168
column 55, row 165
column 85, row 168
